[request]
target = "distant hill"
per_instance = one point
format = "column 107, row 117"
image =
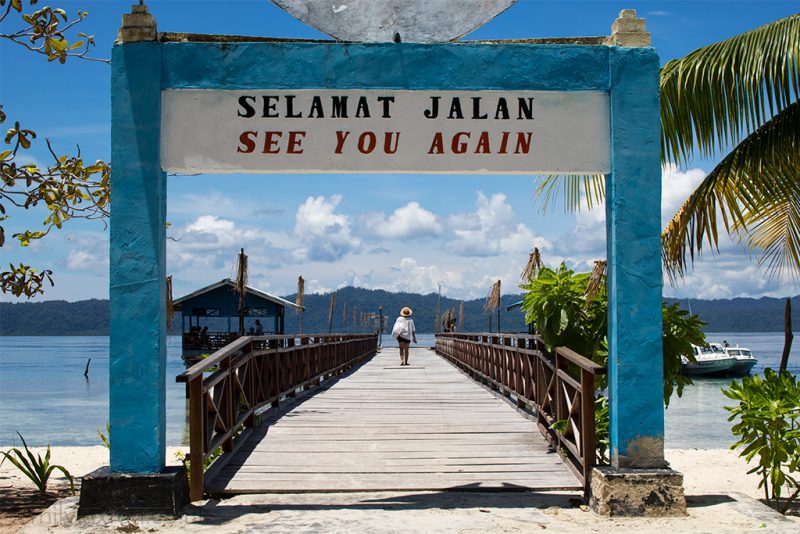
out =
column 90, row 317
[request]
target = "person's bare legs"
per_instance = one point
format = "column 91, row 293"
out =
column 403, row 353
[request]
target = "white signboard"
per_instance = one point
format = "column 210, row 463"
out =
column 334, row 131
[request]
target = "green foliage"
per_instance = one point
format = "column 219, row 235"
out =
column 768, row 426
column 68, row 187
column 737, row 99
column 602, row 436
column 36, row 468
column 105, row 437
column 681, row 330
column 556, row 302
column 44, row 31
column 184, row 459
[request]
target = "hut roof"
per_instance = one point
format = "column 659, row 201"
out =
column 232, row 285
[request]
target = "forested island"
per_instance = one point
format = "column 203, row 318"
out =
column 90, row 317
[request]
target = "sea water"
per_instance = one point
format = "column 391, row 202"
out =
column 45, row 397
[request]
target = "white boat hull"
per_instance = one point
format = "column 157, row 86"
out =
column 708, row 366
column 742, row 366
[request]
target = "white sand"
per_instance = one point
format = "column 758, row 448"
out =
column 77, row 460
column 719, row 491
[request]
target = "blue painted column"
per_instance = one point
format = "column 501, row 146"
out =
column 633, row 230
column 137, row 262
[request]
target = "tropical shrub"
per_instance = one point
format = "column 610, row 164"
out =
column 36, row 468
column 567, row 314
column 556, row 303
column 768, row 426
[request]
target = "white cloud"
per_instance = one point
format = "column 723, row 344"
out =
column 407, row 222
column 324, row 233
column 490, row 230
column 88, row 252
column 80, row 259
column 676, row 186
column 412, row 277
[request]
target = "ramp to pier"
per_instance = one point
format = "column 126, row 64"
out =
column 386, row 427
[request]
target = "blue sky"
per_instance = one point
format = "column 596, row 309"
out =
column 398, row 232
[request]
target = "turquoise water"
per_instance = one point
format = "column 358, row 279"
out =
column 44, row 395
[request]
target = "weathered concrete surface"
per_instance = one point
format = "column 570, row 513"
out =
column 637, row 492
column 409, row 21
column 104, row 492
column 422, row 512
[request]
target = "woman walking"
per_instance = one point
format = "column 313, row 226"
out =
column 405, row 333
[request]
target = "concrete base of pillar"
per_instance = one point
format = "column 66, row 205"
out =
column 636, row 492
column 104, row 492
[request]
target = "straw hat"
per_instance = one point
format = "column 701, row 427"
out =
column 405, row 312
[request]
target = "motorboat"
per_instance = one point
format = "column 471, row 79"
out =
column 710, row 360
column 745, row 361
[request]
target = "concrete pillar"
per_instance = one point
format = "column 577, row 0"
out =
column 633, row 229
column 138, row 252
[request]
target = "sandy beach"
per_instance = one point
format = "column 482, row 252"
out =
column 721, row 497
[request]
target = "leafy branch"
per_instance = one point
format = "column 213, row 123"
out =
column 68, row 187
column 44, row 32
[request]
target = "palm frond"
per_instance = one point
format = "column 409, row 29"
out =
column 578, row 190
column 714, row 96
column 775, row 231
column 751, row 184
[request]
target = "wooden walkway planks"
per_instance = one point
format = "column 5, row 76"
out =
column 388, row 427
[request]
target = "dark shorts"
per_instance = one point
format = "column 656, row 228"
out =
column 401, row 339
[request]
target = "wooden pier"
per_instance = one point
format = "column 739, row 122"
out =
column 382, row 426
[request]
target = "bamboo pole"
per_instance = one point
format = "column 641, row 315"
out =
column 301, row 286
column 241, row 288
column 330, row 313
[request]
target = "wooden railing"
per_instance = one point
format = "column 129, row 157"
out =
column 553, row 387
column 226, row 389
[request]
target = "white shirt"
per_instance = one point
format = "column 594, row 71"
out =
column 403, row 327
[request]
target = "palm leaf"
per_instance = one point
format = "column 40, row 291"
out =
column 741, row 91
column 576, row 190
column 714, row 96
column 757, row 181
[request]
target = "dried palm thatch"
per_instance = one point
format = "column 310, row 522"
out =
column 330, row 313
column 596, row 282
column 301, row 288
column 461, row 317
column 241, row 287
column 170, row 307
column 533, row 266
column 493, row 304
column 493, row 298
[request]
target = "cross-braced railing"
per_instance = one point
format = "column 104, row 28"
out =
column 226, row 389
column 555, row 387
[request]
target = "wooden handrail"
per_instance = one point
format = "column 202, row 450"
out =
column 213, row 360
column 252, row 373
column 557, row 386
column 581, row 361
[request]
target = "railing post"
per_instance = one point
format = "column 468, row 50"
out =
column 559, row 408
column 508, row 367
column 588, row 437
column 231, row 403
column 196, row 438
